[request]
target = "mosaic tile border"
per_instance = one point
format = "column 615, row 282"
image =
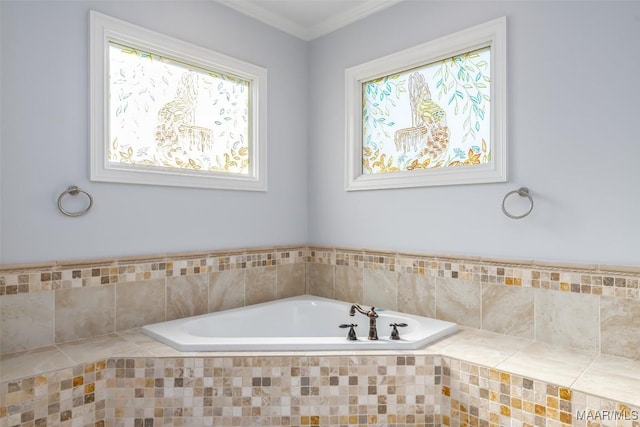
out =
column 17, row 280
column 593, row 411
column 279, row 390
column 476, row 395
column 593, row 280
column 299, row 390
column 73, row 396
column 211, row 277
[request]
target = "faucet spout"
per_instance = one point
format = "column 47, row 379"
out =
column 371, row 314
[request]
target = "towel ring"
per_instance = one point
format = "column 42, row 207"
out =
column 74, row 191
column 522, row 192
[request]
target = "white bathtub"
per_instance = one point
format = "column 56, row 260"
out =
column 297, row 323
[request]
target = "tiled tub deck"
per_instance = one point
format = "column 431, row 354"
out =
column 474, row 378
column 542, row 345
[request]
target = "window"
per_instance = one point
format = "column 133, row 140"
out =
column 429, row 115
column 166, row 112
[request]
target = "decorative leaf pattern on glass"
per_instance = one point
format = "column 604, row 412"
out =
column 465, row 78
column 432, row 116
column 168, row 114
column 381, row 96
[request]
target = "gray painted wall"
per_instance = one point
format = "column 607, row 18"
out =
column 572, row 134
column 45, row 139
column 572, row 117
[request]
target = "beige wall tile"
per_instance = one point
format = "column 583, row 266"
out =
column 140, row 303
column 26, row 321
column 620, row 323
column 380, row 288
column 87, row 351
column 615, row 377
column 291, row 280
column 226, row 290
column 187, row 296
column 567, row 319
column 320, row 280
column 261, row 285
column 573, row 318
column 349, row 284
column 551, row 363
column 483, row 347
column 458, row 301
column 508, row 310
column 417, row 294
column 34, row 362
column 535, row 384
column 84, row 312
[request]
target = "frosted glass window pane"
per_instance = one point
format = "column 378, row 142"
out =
column 167, row 114
column 435, row 116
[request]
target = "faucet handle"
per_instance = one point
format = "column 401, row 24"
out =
column 351, row 336
column 395, row 335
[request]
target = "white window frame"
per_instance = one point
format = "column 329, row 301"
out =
column 491, row 34
column 105, row 30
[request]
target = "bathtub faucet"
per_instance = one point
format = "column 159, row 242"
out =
column 371, row 314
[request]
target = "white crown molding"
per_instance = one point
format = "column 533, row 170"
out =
column 256, row 11
column 349, row 16
column 263, row 14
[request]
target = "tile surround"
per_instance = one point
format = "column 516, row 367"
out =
column 321, row 280
column 140, row 303
column 459, row 301
column 71, row 396
column 84, row 351
column 293, row 389
column 555, row 303
column 612, row 376
column 380, row 288
column 589, row 307
column 18, row 332
column 620, row 319
column 484, row 348
column 291, row 280
column 552, row 363
column 276, row 390
column 508, row 310
column 27, row 363
column 417, row 294
column 566, row 298
column 62, row 302
column 84, row 312
column 477, row 395
column 559, row 312
column 187, row 296
column 226, row 290
column 349, row 283
column 261, row 285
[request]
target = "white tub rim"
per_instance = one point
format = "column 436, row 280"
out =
column 174, row 333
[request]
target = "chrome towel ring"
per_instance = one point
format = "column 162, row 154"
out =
column 74, row 191
column 522, row 192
